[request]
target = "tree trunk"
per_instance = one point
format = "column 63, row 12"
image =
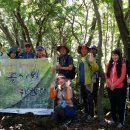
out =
column 20, row 20
column 92, row 30
column 124, row 32
column 8, row 35
column 101, row 86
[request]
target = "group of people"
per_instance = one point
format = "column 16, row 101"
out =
column 27, row 53
column 88, row 75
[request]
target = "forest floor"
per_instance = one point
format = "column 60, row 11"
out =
column 33, row 122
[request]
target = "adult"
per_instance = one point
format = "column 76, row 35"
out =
column 87, row 65
column 64, row 108
column 95, row 77
column 12, row 53
column 65, row 62
column 18, row 51
column 115, row 75
column 41, row 53
column 27, row 54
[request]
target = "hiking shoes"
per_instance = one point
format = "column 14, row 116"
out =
column 110, row 122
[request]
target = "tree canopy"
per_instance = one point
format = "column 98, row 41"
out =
column 104, row 23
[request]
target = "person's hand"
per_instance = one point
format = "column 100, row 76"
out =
column 52, row 84
column 53, row 70
column 91, row 57
column 112, row 87
column 67, row 83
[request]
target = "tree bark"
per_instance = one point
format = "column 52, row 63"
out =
column 17, row 14
column 124, row 32
column 92, row 30
column 101, row 85
column 7, row 33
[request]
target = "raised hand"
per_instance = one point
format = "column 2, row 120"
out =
column 67, row 83
column 91, row 57
column 52, row 84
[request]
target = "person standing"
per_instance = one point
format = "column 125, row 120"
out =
column 115, row 75
column 87, row 65
column 65, row 62
column 41, row 53
column 95, row 78
column 12, row 53
column 18, row 51
column 28, row 54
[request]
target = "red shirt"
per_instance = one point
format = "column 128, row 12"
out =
column 113, row 79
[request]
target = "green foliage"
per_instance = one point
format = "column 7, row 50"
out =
column 9, row 5
column 55, row 21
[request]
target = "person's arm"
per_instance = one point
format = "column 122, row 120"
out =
column 53, row 93
column 69, row 93
column 108, row 80
column 70, row 67
column 122, row 77
column 92, row 61
column 70, row 64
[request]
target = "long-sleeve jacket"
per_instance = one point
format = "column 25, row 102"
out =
column 62, row 94
column 89, row 68
column 113, row 79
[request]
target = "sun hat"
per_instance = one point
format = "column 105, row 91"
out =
column 59, row 47
column 80, row 46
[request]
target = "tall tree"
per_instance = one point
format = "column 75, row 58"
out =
column 124, row 31
column 101, row 87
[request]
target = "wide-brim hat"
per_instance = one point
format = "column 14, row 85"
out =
column 59, row 47
column 82, row 45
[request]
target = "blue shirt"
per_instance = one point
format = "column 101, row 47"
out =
column 81, row 70
column 25, row 55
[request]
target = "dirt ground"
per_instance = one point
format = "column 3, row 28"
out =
column 32, row 122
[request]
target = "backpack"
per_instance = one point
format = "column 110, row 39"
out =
column 70, row 74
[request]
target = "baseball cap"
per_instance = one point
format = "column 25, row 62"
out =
column 27, row 44
column 12, row 50
column 39, row 48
